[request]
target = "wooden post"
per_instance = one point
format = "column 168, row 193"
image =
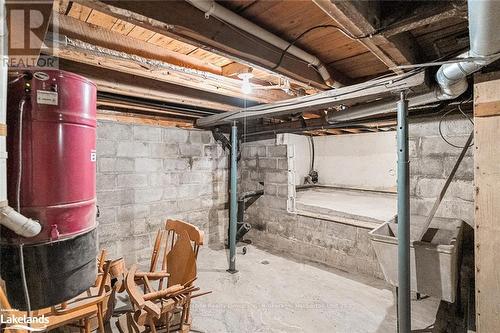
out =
column 487, row 202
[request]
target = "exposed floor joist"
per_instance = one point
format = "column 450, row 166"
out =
column 172, row 70
column 186, row 23
column 360, row 19
column 131, row 85
column 431, row 12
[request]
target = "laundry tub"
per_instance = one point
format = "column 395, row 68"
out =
column 434, row 261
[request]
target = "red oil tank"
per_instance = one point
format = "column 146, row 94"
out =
column 51, row 124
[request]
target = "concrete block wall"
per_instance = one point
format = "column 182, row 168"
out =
column 431, row 161
column 277, row 228
column 146, row 174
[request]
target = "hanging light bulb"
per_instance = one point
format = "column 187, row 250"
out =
column 246, row 86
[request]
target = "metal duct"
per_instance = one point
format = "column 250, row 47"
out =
column 210, row 7
column 451, row 79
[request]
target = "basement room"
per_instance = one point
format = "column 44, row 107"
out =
column 244, row 166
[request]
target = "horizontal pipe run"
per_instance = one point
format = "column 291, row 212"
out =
column 211, row 8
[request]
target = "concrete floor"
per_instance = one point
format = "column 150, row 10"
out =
column 271, row 293
column 357, row 204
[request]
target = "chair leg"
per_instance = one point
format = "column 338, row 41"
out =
column 80, row 325
column 152, row 325
column 86, row 325
column 100, row 318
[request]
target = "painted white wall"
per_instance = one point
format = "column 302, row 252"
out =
column 364, row 160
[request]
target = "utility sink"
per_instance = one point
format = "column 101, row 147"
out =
column 433, row 261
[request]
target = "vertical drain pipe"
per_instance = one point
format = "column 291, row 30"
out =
column 233, row 208
column 404, row 297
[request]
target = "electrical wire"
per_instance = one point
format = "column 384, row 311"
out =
column 322, row 26
column 23, row 278
column 18, row 204
column 459, row 108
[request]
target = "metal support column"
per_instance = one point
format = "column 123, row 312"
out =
column 233, row 208
column 404, row 297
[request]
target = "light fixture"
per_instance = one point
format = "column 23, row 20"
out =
column 246, row 86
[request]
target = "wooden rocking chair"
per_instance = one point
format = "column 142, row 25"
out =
column 153, row 305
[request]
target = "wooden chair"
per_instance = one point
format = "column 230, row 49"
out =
column 77, row 311
column 177, row 246
column 153, row 305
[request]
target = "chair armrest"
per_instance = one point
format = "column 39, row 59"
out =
column 152, row 275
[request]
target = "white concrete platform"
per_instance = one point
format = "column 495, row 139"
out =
column 273, row 294
column 361, row 205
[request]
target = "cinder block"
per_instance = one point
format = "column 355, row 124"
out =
column 436, row 146
column 132, row 149
column 428, row 167
column 132, row 212
column 202, row 163
column 464, row 172
column 250, row 163
column 170, row 192
column 110, row 130
column 148, row 195
column 189, row 204
column 147, row 133
column 132, row 180
column 148, row 165
column 283, row 164
column 195, row 178
column 107, row 215
column 213, row 151
column 163, row 209
column 105, row 182
column 162, row 150
column 268, row 163
column 115, row 198
column 174, row 135
column 189, row 150
column 108, row 164
column 197, row 136
column 164, row 179
column 171, row 164
column 270, row 189
column 276, row 177
column 458, row 189
column 414, row 147
column 277, row 151
column 105, row 148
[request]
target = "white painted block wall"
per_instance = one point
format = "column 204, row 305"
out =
column 365, row 160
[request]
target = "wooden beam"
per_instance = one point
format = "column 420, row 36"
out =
column 487, row 99
column 130, row 85
column 77, row 29
column 132, row 118
column 360, row 18
column 487, row 207
column 430, row 12
column 180, row 20
column 145, row 59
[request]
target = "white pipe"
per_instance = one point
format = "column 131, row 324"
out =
column 18, row 223
column 484, row 28
column 211, row 8
column 9, row 218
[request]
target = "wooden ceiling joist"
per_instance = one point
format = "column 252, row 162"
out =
column 135, row 86
column 186, row 23
column 74, row 28
column 134, row 51
column 360, row 19
column 430, row 12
